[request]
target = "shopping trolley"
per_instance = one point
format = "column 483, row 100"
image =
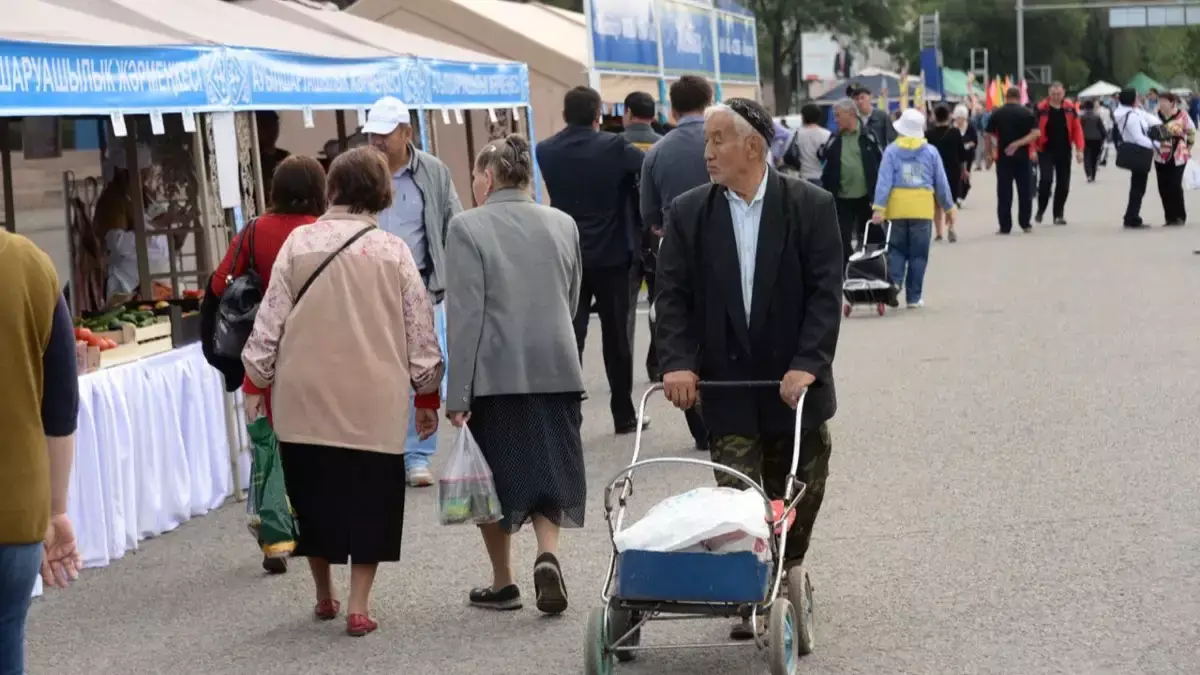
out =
column 645, row 586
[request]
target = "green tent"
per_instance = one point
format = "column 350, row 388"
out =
column 954, row 83
column 1143, row 83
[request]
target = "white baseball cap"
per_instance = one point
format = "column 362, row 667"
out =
column 387, row 113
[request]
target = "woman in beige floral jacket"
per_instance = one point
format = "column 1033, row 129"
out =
column 344, row 335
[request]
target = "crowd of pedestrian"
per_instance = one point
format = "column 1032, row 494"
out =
column 738, row 231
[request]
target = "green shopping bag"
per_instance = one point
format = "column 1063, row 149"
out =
column 271, row 520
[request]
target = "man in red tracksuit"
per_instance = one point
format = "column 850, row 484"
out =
column 1058, row 121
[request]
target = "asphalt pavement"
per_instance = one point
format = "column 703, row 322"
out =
column 1012, row 490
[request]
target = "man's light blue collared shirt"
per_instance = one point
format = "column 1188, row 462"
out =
column 747, row 218
column 405, row 218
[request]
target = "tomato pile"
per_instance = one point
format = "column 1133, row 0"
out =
column 86, row 336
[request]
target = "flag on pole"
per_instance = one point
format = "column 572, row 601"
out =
column 919, row 97
column 1024, row 92
column 904, row 89
column 883, row 98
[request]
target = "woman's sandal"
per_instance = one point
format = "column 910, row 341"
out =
column 327, row 609
column 358, row 625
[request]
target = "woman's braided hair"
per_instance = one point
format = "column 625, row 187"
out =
column 510, row 161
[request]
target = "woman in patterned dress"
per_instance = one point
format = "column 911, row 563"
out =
column 343, row 336
column 514, row 277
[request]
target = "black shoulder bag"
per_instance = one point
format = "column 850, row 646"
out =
column 239, row 303
column 1131, row 156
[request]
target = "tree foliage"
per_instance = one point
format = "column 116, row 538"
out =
column 780, row 23
column 1078, row 44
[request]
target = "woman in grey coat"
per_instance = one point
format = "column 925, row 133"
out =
column 513, row 286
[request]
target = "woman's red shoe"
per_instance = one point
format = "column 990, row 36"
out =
column 327, row 609
column 358, row 625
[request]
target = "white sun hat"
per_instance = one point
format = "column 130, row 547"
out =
column 911, row 123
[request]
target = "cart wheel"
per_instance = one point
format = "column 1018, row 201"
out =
column 801, row 596
column 879, row 308
column 619, row 623
column 597, row 658
column 782, row 640
column 846, row 309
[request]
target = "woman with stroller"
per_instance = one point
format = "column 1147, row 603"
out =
column 912, row 182
column 948, row 141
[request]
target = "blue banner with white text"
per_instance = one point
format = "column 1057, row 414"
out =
column 52, row 79
column 624, row 37
column 738, row 47
column 687, row 39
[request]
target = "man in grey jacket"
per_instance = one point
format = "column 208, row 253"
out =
column 423, row 203
column 673, row 166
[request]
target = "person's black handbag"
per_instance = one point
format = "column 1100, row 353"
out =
column 239, row 303
column 1133, row 157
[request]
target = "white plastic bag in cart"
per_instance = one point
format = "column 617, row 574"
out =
column 696, row 516
column 1191, row 175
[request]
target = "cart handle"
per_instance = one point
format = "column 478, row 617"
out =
column 722, row 384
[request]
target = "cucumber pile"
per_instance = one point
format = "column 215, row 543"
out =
column 112, row 320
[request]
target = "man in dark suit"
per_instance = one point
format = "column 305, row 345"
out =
column 592, row 176
column 750, row 288
column 639, row 113
column 672, row 167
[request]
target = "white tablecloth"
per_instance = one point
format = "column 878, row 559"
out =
column 151, row 452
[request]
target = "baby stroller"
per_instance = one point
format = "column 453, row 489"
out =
column 868, row 280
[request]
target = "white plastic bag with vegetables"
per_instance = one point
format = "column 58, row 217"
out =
column 466, row 491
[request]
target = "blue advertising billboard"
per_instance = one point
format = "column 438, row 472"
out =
column 669, row 38
column 737, row 45
column 687, row 37
column 624, row 37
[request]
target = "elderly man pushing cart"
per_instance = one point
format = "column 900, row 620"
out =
column 750, row 289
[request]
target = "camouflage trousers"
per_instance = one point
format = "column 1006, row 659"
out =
column 767, row 459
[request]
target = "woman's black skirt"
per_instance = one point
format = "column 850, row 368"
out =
column 532, row 444
column 349, row 504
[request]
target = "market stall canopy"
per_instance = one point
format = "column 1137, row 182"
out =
column 214, row 21
column 352, row 27
column 43, row 21
column 1143, row 83
column 955, row 83
column 876, row 80
column 552, row 41
column 1099, row 89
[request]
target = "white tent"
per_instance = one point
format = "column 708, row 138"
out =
column 40, row 21
column 1099, row 90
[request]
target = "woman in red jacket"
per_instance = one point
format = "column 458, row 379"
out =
column 297, row 198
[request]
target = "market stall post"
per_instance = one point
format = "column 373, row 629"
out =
column 537, row 171
column 10, row 209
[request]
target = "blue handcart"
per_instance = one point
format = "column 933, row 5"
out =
column 645, row 586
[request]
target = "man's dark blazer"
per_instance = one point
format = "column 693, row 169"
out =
column 592, row 177
column 794, row 317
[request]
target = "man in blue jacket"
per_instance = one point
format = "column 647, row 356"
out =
column 591, row 175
